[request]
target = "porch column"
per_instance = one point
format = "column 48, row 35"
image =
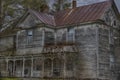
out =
column 43, row 67
column 14, row 68
column 7, row 65
column 23, row 67
column 64, row 67
column 31, row 66
column 7, row 71
column 52, row 68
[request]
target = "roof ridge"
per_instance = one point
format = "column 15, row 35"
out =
column 86, row 5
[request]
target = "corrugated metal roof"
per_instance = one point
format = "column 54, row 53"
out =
column 76, row 15
column 44, row 17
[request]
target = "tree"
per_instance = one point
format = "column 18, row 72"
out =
column 0, row 13
column 11, row 10
column 61, row 4
column 39, row 5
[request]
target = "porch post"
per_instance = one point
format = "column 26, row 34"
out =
column 52, row 67
column 64, row 68
column 7, row 71
column 14, row 68
column 42, row 67
column 7, row 65
column 31, row 66
column 23, row 67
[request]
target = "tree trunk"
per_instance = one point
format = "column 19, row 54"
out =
column 0, row 14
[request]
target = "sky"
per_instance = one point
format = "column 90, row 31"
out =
column 92, row 1
column 118, row 4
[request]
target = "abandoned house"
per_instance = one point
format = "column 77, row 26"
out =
column 82, row 43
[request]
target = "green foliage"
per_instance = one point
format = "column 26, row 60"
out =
column 9, row 6
column 13, row 9
column 66, row 5
column 34, row 4
column 61, row 5
column 6, row 9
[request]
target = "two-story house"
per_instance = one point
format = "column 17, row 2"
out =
column 79, row 43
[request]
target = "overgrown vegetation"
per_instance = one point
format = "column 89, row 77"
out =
column 61, row 4
column 12, row 10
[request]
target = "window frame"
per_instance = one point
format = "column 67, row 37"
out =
column 29, row 36
column 71, row 31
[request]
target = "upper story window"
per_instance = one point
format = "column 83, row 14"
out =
column 49, row 37
column 29, row 36
column 115, row 23
column 107, row 19
column 111, row 37
column 71, row 35
column 112, row 58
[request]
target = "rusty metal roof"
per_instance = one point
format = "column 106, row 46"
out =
column 76, row 15
column 44, row 17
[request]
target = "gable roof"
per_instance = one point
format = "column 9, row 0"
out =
column 81, row 14
column 76, row 15
column 44, row 17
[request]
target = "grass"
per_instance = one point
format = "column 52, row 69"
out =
column 9, row 79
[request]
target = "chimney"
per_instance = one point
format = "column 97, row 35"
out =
column 74, row 4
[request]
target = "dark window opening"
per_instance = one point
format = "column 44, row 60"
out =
column 114, row 23
column 48, row 64
column 69, row 65
column 57, row 67
column 38, row 67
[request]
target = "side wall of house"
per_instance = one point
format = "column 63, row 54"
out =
column 87, row 39
column 103, row 52
column 113, row 21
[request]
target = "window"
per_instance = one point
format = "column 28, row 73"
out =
column 71, row 33
column 47, row 64
column 112, row 58
column 29, row 36
column 107, row 18
column 38, row 67
column 112, row 61
column 49, row 37
column 115, row 23
column 111, row 39
column 69, row 65
column 57, row 65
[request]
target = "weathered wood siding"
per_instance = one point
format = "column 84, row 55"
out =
column 6, row 45
column 86, row 38
column 38, row 39
column 113, row 22
column 26, row 47
column 103, row 50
